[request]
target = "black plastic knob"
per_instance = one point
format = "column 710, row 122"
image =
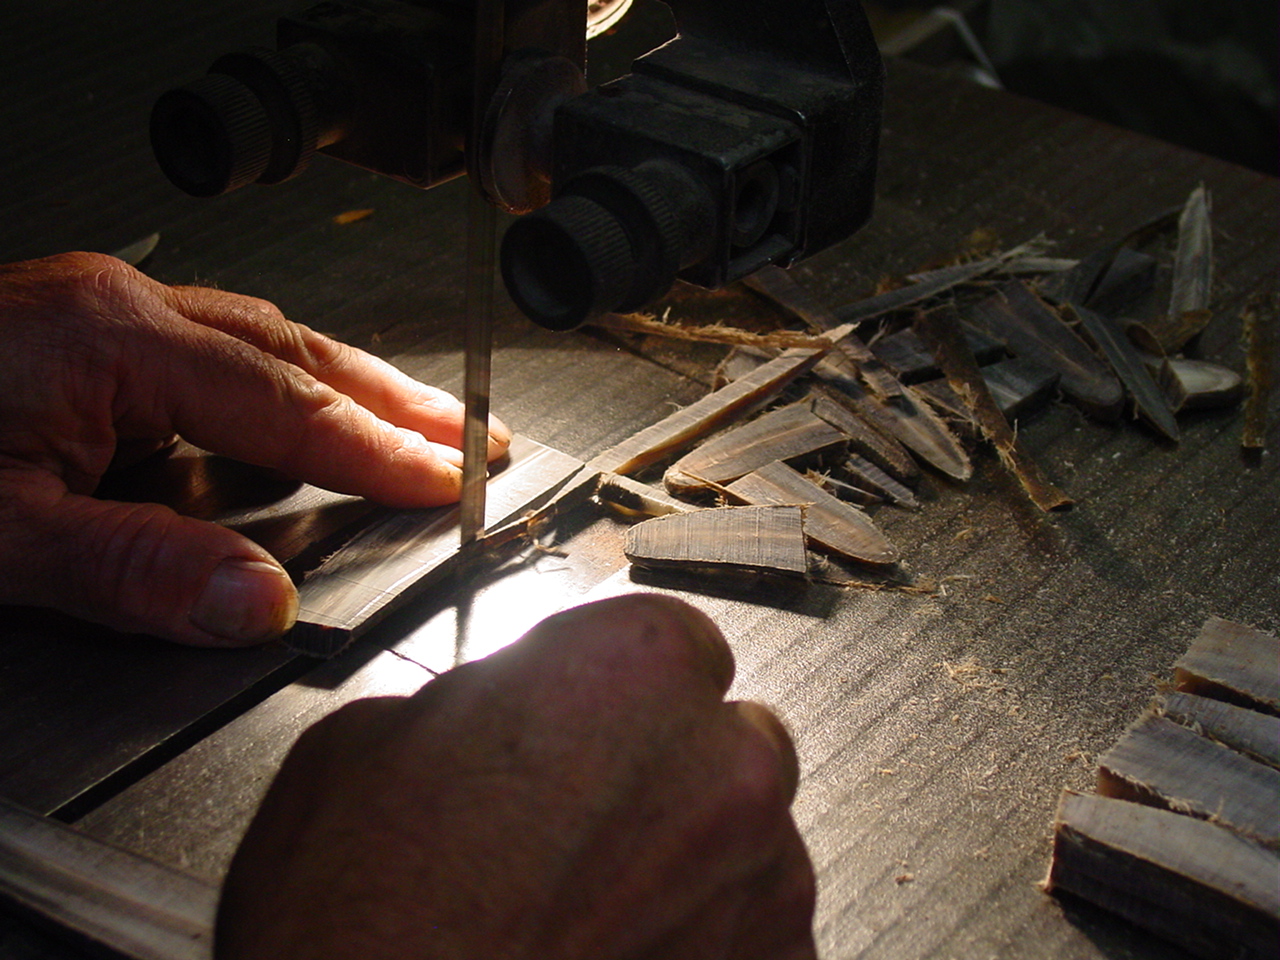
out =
column 280, row 84
column 609, row 241
column 211, row 136
column 567, row 262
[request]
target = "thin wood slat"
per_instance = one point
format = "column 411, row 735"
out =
column 1159, row 761
column 1230, row 661
column 132, row 905
column 1252, row 733
column 1189, row 881
column 391, row 560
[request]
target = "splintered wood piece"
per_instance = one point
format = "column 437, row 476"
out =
column 738, row 363
column 906, row 418
column 1125, row 360
column 1028, row 328
column 758, row 539
column 395, row 557
column 844, row 490
column 1249, row 731
column 706, row 333
column 828, row 521
column 939, row 395
column 908, row 357
column 867, row 476
column 1233, row 662
column 781, row 434
column 1193, row 260
column 929, row 285
column 1259, row 322
column 1126, row 286
column 837, row 408
column 777, row 285
column 1191, row 882
column 941, row 329
column 636, row 499
column 864, row 439
column 685, row 426
column 1019, row 386
column 1082, row 282
column 1195, row 384
column 1165, row 764
column 1170, row 334
column 133, row 906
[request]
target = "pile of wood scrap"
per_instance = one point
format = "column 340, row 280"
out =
column 871, row 393
column 1183, row 833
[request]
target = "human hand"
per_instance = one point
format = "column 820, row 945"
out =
column 96, row 357
column 583, row 793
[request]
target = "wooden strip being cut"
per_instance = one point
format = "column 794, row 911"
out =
column 1163, row 763
column 828, row 521
column 1230, row 661
column 407, row 550
column 1191, row 882
column 737, row 539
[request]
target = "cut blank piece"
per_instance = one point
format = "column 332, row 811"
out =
column 750, row 539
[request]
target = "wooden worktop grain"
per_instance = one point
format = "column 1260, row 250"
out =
column 935, row 732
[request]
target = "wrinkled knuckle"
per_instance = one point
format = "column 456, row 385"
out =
column 99, row 275
column 314, row 401
column 323, row 353
column 127, row 550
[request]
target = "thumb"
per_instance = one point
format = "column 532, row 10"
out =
column 142, row 568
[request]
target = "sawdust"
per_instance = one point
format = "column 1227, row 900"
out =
column 970, row 675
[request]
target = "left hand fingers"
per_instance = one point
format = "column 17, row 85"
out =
column 373, row 383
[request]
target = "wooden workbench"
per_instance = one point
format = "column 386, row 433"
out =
column 928, row 792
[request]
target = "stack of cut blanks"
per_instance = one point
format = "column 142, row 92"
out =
column 1182, row 836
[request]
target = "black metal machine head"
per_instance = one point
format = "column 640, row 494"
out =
column 748, row 139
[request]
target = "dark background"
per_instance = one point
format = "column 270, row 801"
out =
column 1197, row 73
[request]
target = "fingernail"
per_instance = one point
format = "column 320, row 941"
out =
column 499, row 437
column 246, row 601
column 764, row 720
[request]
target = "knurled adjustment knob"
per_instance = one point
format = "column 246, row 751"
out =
column 211, row 136
column 281, row 86
column 640, row 205
column 568, row 262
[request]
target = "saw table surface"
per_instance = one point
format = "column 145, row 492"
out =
column 935, row 731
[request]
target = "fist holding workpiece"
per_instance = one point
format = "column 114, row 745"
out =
column 100, row 363
column 583, row 793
